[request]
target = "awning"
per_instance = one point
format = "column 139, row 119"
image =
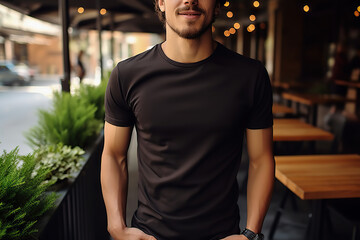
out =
column 122, row 15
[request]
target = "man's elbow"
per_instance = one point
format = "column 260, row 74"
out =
column 263, row 161
column 119, row 159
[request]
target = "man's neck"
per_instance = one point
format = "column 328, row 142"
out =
column 188, row 50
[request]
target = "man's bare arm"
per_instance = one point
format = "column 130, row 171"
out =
column 261, row 176
column 260, row 180
column 114, row 182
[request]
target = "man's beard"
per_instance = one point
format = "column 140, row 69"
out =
column 191, row 33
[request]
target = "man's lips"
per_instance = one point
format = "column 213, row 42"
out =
column 190, row 13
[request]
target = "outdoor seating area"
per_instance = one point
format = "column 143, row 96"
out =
column 310, row 167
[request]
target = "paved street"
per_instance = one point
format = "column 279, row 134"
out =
column 18, row 110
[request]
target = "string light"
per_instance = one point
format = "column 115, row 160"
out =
column 357, row 14
column 226, row 4
column 229, row 14
column 358, row 8
column 227, row 33
column 232, row 30
column 252, row 17
column 81, row 10
column 306, row 8
column 256, row 4
column 251, row 28
column 103, row 11
column 237, row 25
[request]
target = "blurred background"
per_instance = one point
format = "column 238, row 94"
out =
column 311, row 49
column 298, row 41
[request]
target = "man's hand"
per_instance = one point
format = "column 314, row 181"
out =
column 129, row 234
column 235, row 237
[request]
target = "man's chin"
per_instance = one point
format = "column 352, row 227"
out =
column 190, row 34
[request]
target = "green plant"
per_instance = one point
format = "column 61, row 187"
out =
column 61, row 161
column 22, row 197
column 71, row 121
column 94, row 95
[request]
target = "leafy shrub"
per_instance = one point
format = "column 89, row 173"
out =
column 71, row 121
column 94, row 95
column 22, row 198
column 61, row 161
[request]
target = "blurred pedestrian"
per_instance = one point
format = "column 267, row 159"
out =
column 354, row 66
column 80, row 69
column 340, row 70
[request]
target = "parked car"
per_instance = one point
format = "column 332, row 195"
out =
column 8, row 77
column 22, row 69
column 25, row 71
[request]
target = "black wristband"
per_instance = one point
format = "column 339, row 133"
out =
column 251, row 235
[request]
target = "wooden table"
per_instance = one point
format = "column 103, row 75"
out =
column 348, row 83
column 297, row 130
column 313, row 100
column 281, row 109
column 318, row 177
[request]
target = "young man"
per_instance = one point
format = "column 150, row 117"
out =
column 191, row 101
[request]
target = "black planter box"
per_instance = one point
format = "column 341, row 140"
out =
column 80, row 211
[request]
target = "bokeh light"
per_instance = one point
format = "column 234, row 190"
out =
column 251, row 28
column 237, row 25
column 81, row 10
column 103, row 11
column 306, row 8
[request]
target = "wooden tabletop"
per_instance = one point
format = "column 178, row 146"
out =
column 281, row 109
column 348, row 83
column 320, row 176
column 312, row 99
column 297, row 130
column 289, row 85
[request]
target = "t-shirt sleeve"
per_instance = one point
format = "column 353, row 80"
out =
column 117, row 111
column 260, row 115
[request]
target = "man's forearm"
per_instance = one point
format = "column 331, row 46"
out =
column 259, row 191
column 114, row 184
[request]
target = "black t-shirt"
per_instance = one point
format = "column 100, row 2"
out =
column 190, row 120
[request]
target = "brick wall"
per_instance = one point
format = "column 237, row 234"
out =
column 47, row 56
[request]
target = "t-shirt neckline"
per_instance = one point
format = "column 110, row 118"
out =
column 179, row 64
